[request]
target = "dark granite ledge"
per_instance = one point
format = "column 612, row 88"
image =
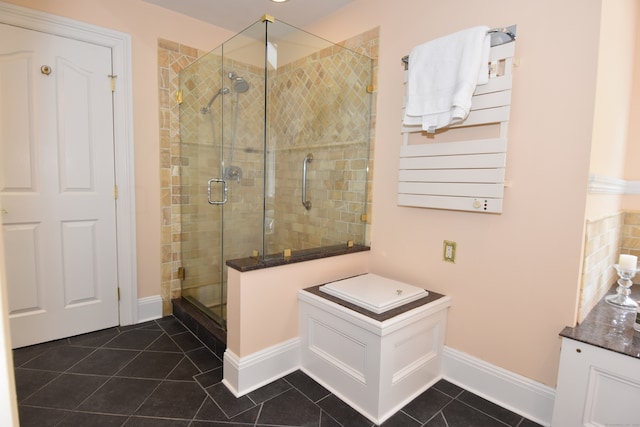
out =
column 250, row 264
column 433, row 296
column 609, row 327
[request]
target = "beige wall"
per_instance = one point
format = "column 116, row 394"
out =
column 615, row 136
column 145, row 23
column 632, row 168
column 615, row 78
column 515, row 281
column 264, row 305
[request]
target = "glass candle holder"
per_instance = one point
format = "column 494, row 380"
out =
column 622, row 299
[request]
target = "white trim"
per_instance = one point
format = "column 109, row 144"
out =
column 521, row 395
column 514, row 392
column 609, row 185
column 149, row 308
column 244, row 375
column 120, row 44
column 632, row 187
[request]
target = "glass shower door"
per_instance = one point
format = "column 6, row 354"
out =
column 243, row 152
column 222, row 167
column 202, row 184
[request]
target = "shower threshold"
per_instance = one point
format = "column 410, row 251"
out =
column 216, row 312
column 202, row 325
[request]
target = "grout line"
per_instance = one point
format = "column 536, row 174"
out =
column 482, row 412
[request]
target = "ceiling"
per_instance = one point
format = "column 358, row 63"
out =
column 236, row 15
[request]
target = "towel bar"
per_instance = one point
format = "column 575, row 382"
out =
column 498, row 36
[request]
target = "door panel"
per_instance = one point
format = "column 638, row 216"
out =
column 57, row 185
column 23, row 240
column 15, row 121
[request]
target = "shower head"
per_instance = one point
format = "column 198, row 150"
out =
column 240, row 85
column 222, row 91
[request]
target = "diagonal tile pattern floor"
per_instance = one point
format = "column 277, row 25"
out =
column 159, row 374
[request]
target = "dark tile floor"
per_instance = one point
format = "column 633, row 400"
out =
column 159, row 374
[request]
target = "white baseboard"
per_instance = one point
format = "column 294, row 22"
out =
column 149, row 308
column 242, row 376
column 521, row 395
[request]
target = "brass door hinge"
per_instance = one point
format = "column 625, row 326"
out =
column 115, row 192
column 113, row 78
column 181, row 273
column 118, row 293
column 179, row 96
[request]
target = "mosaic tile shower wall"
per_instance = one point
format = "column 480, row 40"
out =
column 313, row 113
column 338, row 182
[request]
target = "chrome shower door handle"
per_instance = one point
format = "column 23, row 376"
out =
column 306, row 203
column 225, row 190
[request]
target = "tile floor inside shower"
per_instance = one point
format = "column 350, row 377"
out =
column 161, row 374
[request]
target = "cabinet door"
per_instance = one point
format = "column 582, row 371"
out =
column 596, row 387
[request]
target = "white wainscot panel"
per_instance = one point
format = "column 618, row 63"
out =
column 343, row 351
column 611, row 396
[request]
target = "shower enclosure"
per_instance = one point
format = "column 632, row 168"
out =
column 274, row 131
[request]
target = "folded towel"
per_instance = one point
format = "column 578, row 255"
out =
column 443, row 74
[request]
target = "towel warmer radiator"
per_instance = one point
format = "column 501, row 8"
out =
column 463, row 172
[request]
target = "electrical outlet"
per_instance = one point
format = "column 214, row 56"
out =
column 449, row 251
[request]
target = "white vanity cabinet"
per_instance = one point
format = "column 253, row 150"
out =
column 596, row 387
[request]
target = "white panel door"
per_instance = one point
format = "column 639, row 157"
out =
column 57, row 185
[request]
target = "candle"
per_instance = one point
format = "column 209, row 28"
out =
column 628, row 262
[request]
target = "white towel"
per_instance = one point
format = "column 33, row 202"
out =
column 443, row 74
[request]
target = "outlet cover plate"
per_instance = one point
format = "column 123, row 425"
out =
column 449, row 251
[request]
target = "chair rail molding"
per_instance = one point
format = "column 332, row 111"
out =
column 609, row 185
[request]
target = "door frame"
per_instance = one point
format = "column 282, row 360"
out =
column 120, row 44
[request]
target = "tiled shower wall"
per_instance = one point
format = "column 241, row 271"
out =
column 631, row 234
column 605, row 240
column 322, row 108
column 172, row 57
column 178, row 209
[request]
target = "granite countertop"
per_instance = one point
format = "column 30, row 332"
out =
column 250, row 263
column 609, row 327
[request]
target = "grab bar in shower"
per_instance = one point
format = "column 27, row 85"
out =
column 306, row 203
column 225, row 190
